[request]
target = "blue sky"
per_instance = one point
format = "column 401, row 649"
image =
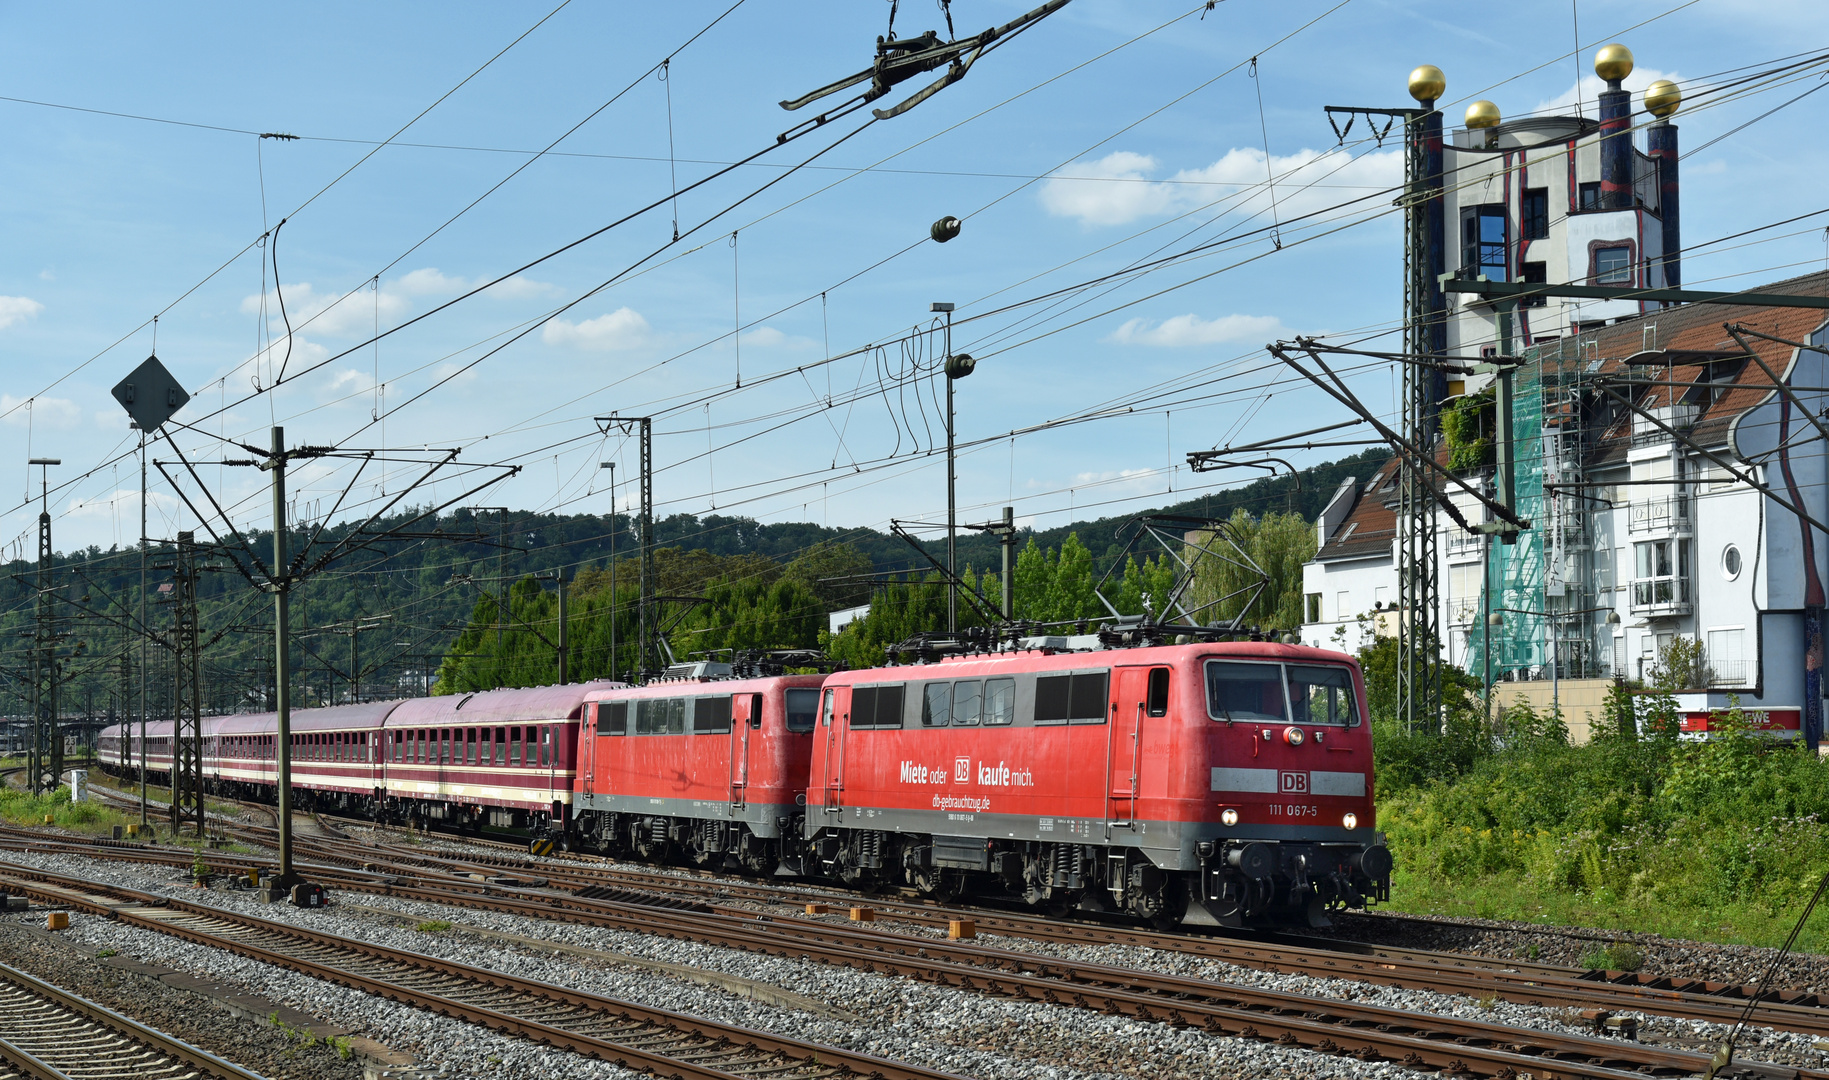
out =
column 1108, row 134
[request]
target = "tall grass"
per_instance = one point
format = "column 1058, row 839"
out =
column 1723, row 840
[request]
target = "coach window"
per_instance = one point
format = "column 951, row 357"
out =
column 514, row 746
column 1322, row 695
column 486, row 754
column 999, row 701
column 968, row 703
column 469, row 746
column 546, row 744
column 711, row 715
column 802, row 707
column 444, row 746
column 936, row 705
column 1249, row 692
column 613, row 718
column 1158, row 691
column 501, row 746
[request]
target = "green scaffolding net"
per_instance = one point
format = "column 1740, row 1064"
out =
column 1514, row 584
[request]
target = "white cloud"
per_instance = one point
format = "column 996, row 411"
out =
column 620, row 330
column 767, row 337
column 1117, row 188
column 356, row 314
column 327, row 313
column 1193, row 330
column 47, row 274
column 430, row 281
column 1591, row 86
column 48, row 412
column 15, row 309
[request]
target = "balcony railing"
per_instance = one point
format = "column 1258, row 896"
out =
column 1463, row 611
column 1461, row 542
column 1646, row 429
column 1669, row 514
column 1661, row 595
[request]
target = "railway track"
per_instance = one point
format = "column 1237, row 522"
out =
column 51, row 1034
column 1370, row 1033
column 630, row 1035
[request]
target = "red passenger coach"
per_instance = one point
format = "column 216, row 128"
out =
column 1218, row 782
column 500, row 757
column 710, row 768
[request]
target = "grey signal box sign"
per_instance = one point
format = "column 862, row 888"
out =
column 150, row 395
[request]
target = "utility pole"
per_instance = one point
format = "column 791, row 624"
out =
column 187, row 691
column 1005, row 532
column 280, row 581
column 611, row 465
column 648, row 618
column 44, row 754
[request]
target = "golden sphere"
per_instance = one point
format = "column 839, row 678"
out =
column 1427, row 83
column 1482, row 114
column 1613, row 62
column 1662, row 98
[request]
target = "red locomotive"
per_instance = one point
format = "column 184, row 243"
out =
column 697, row 766
column 1223, row 782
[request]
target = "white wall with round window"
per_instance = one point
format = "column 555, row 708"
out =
column 1730, row 562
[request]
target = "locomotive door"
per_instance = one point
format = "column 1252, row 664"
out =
column 745, row 716
column 1136, row 693
column 834, row 727
column 587, row 748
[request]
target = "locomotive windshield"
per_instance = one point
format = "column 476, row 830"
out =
column 1280, row 693
column 802, row 709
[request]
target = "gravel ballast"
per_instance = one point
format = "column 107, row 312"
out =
column 936, row 1027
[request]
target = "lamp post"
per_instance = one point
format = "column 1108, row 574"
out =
column 957, row 367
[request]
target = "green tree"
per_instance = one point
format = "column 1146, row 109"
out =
column 1278, row 544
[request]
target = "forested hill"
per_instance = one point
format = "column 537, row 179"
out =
column 417, row 593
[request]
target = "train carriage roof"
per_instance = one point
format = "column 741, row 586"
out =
column 534, row 703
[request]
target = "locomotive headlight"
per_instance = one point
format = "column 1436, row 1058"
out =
column 1293, row 735
column 1350, row 820
column 1228, row 816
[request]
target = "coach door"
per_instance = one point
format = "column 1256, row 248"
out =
column 745, row 717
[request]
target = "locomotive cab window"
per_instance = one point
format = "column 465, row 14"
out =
column 825, row 712
column 802, row 706
column 1322, row 695
column 1252, row 693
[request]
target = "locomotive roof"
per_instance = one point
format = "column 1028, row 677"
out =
column 1043, row 660
column 686, row 687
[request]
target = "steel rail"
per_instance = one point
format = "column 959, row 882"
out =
column 1369, row 1032
column 69, row 1037
column 586, row 1023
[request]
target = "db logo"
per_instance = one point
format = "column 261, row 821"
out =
column 962, row 770
column 1295, row 783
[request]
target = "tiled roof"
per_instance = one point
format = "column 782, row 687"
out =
column 1697, row 329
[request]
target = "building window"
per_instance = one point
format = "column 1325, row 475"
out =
column 1730, row 562
column 1535, row 273
column 1311, row 607
column 1660, row 579
column 1588, row 196
column 1534, row 214
column 1613, row 266
column 1343, row 605
column 1726, row 656
column 1483, row 242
